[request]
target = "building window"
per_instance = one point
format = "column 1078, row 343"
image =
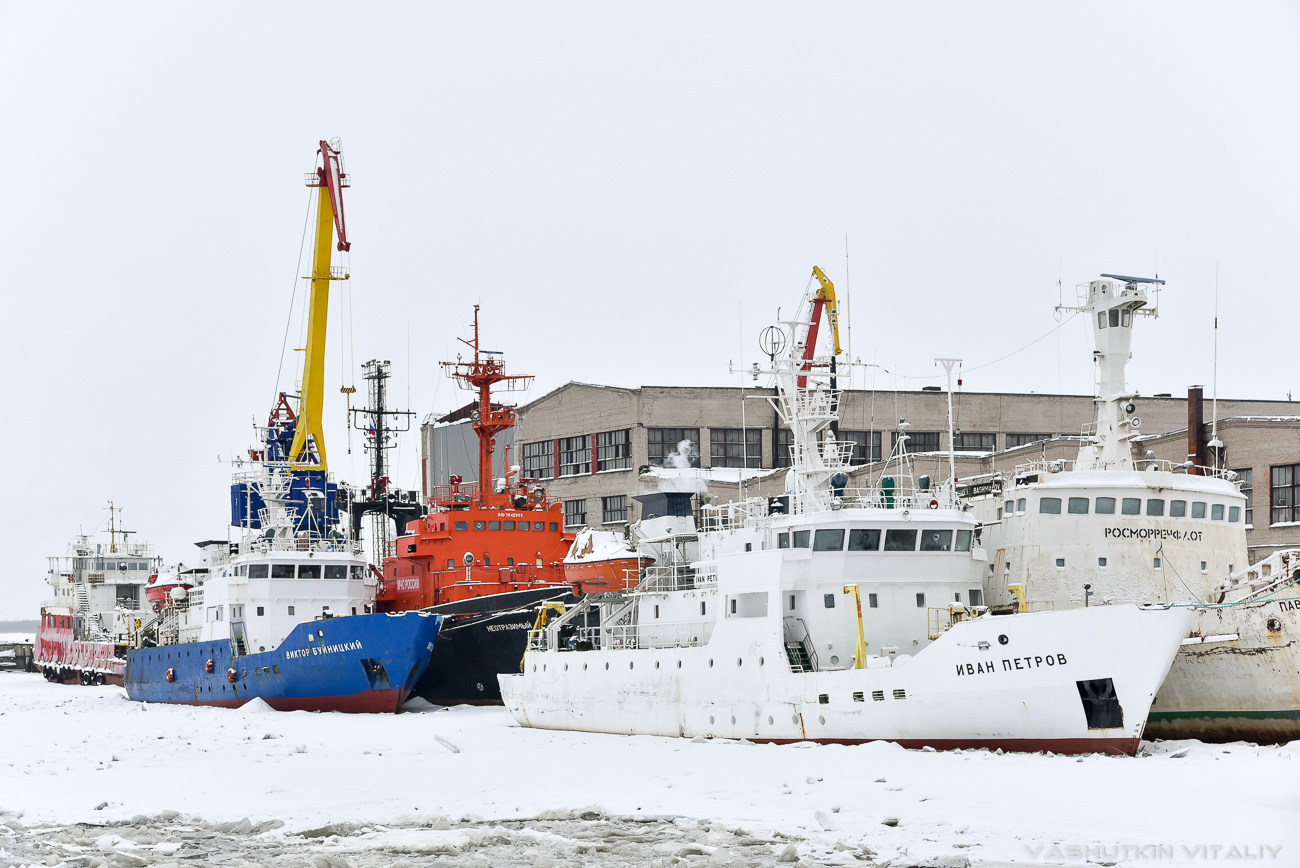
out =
column 681, row 443
column 575, row 513
column 866, row 445
column 1014, row 440
column 575, row 455
column 1285, row 479
column 736, row 447
column 781, row 446
column 1247, row 479
column 963, row 442
column 918, row 441
column 614, row 450
column 614, row 509
column 539, row 460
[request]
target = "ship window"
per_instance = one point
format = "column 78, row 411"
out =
column 282, row 571
column 703, row 609
column 1077, row 506
column 792, row 602
column 1131, row 506
column 783, row 541
column 309, row 571
column 899, row 540
column 507, row 525
column 1010, row 507
column 936, row 541
column 1020, row 505
column 1198, row 509
column 258, row 571
column 829, row 601
column 802, row 538
column 1234, row 513
column 1177, row 508
column 829, row 540
column 920, row 601
column 1155, row 506
column 554, row 526
column 487, row 560
column 451, row 563
column 1216, row 512
column 261, row 611
column 976, row 597
column 1155, row 563
column 410, row 548
column 1049, row 505
column 1114, row 318
column 291, row 610
column 336, row 571
column 480, row 525
column 494, row 525
column 864, row 540
column 1204, row 565
column 873, row 602
column 462, row 525
column 523, row 525
column 510, row 562
column 656, row 610
column 1101, row 319
column 1128, row 317
column 963, row 540
column 541, row 525
column 1060, row 563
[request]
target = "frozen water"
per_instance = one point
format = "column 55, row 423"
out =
column 86, row 776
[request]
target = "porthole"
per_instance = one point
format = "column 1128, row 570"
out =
column 821, row 719
column 710, row 719
column 1274, row 625
column 534, row 667
column 1002, row 639
column 739, row 661
column 566, row 667
column 656, row 664
column 794, row 718
column 606, row 665
column 543, row 667
column 629, row 664
column 710, row 663
column 733, row 720
column 584, row 667
column 770, row 721
column 679, row 664
column 760, row 661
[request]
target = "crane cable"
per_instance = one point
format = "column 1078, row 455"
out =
column 292, row 299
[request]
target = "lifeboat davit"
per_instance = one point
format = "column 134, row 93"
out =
column 159, row 589
column 601, row 561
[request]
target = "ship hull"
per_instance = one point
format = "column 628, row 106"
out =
column 64, row 659
column 967, row 689
column 481, row 638
column 359, row 664
column 1241, row 682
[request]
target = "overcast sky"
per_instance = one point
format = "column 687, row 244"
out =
column 630, row 192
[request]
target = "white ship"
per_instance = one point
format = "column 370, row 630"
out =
column 839, row 615
column 1108, row 529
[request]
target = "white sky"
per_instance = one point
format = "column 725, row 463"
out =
column 629, row 192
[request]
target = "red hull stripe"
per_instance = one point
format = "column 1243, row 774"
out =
column 1113, row 746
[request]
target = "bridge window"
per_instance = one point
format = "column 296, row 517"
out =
column 1216, row 512
column 1234, row 513
column 900, row 540
column 1077, row 506
column 462, row 525
column 1131, row 506
column 963, row 540
column 829, row 540
column 1198, row 509
column 282, row 571
column 336, row 571
column 936, row 541
column 1177, row 508
column 1049, row 505
column 507, row 525
column 802, row 538
column 494, row 525
column 783, row 541
column 864, row 539
column 258, row 571
column 309, row 571
column 1155, row 506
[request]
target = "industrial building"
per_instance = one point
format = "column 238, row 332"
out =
column 595, row 447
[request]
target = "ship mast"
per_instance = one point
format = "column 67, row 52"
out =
column 485, row 371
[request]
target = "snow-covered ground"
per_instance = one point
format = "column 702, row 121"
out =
column 437, row 784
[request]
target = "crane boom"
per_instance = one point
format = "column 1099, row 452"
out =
column 308, row 449
column 824, row 299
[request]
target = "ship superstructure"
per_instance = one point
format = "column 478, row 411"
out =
column 1117, row 525
column 286, row 612
column 486, row 554
column 839, row 615
column 98, row 594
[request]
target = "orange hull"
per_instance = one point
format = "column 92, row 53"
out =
column 603, row 576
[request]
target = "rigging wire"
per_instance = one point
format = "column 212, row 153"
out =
column 292, row 299
column 1041, row 337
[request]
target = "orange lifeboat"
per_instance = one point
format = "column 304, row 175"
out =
column 602, row 561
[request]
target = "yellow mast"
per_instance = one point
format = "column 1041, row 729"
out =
column 308, row 449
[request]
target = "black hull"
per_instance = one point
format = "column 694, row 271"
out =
column 480, row 639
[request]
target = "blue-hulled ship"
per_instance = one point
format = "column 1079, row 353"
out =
column 286, row 613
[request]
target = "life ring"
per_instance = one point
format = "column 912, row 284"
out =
column 207, row 667
column 171, row 675
column 230, row 675
column 934, row 504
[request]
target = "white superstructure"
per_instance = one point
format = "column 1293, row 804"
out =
column 1117, row 527
column 839, row 615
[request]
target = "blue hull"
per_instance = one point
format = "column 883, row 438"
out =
column 356, row 663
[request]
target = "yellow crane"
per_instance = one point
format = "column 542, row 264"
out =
column 308, row 449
